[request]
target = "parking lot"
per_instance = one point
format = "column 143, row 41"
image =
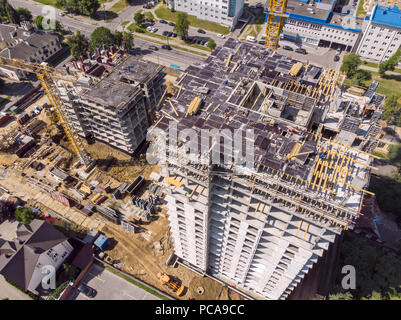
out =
column 110, row 287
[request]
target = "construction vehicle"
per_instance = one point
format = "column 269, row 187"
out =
column 167, row 281
column 47, row 77
column 275, row 21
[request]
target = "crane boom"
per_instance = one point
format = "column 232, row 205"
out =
column 47, row 76
column 275, row 21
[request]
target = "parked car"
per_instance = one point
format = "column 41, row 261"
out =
column 165, row 33
column 154, row 48
column 300, row 50
column 201, row 31
column 166, row 47
column 61, row 14
column 288, row 48
column 338, row 51
column 262, row 42
column 146, row 6
column 163, row 21
column 221, row 36
column 171, row 24
column 250, row 39
column 149, row 20
column 174, row 35
column 336, row 58
column 88, row 291
column 154, row 30
column 203, row 42
column 169, row 34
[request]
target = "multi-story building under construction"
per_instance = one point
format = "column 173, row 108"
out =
column 118, row 109
column 260, row 227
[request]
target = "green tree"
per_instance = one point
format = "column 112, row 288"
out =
column 394, row 154
column 390, row 64
column 70, row 270
column 79, row 44
column 361, row 76
column 392, row 110
column 350, row 64
column 83, row 7
column 24, row 14
column 38, row 22
column 3, row 12
column 24, row 215
column 128, row 41
column 101, row 36
column 211, row 44
column 182, row 25
column 12, row 14
column 118, row 38
column 88, row 7
column 341, row 296
column 139, row 18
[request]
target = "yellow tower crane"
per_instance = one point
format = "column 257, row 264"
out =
column 47, row 77
column 275, row 21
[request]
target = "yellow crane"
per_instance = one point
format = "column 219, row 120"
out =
column 47, row 77
column 275, row 21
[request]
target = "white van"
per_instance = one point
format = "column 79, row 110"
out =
column 250, row 39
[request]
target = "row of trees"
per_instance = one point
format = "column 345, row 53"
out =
column 80, row 44
column 390, row 64
column 14, row 15
column 83, row 7
column 350, row 66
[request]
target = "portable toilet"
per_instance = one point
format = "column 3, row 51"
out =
column 101, row 242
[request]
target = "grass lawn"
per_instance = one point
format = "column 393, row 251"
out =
column 360, row 12
column 375, row 65
column 124, row 23
column 166, row 14
column 119, row 6
column 149, row 15
column 48, row 2
column 388, row 85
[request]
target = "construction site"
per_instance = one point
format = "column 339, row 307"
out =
column 78, row 155
column 93, row 184
column 261, row 228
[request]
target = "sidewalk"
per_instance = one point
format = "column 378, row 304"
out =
column 7, row 291
column 171, row 42
column 362, row 66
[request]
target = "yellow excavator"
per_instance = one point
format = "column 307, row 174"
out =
column 166, row 280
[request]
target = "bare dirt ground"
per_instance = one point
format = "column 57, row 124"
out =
column 142, row 255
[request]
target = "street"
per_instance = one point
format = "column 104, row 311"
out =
column 86, row 26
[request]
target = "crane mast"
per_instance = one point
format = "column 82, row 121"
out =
column 47, row 76
column 275, row 21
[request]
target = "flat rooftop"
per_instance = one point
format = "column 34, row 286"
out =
column 345, row 21
column 306, row 9
column 389, row 16
column 123, row 83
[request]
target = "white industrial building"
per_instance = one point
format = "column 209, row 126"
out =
column 224, row 12
column 382, row 35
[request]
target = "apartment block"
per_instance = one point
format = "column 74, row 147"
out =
column 382, row 35
column 259, row 222
column 118, row 109
column 224, row 12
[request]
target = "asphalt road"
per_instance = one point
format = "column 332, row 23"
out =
column 86, row 26
column 110, row 287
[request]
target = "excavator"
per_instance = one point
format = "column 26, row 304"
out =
column 167, row 281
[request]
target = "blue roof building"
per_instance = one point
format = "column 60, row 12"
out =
column 382, row 35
